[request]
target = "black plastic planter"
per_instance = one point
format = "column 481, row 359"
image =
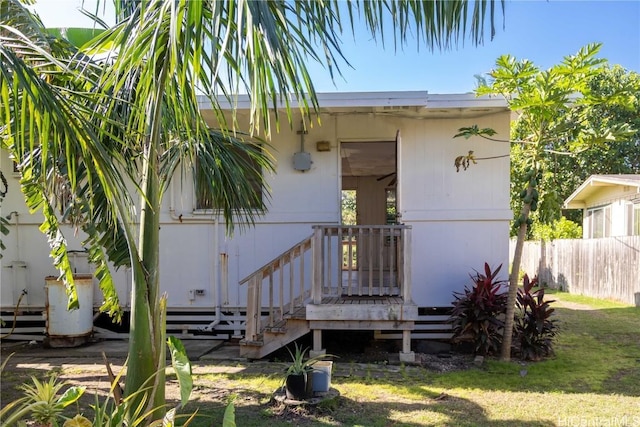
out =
column 296, row 386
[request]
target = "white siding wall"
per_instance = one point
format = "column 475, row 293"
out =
column 460, row 220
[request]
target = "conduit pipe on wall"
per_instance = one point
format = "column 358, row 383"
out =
column 215, row 268
column 17, row 215
column 17, row 266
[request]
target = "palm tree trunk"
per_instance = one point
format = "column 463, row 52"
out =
column 144, row 348
column 147, row 357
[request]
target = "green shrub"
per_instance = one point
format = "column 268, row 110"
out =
column 559, row 229
column 534, row 328
column 478, row 312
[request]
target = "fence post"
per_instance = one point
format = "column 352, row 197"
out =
column 542, row 264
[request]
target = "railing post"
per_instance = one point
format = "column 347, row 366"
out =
column 340, row 263
column 350, row 260
column 406, row 267
column 271, row 307
column 392, row 253
column 281, row 288
column 252, row 314
column 317, row 266
column 258, row 304
column 380, row 261
column 302, row 276
column 292, row 297
column 326, row 287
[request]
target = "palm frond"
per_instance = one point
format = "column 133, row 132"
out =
column 50, row 126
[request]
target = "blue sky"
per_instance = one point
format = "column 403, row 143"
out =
column 541, row 31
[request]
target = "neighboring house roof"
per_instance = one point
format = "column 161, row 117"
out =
column 595, row 183
column 405, row 103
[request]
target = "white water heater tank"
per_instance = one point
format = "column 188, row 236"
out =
column 68, row 328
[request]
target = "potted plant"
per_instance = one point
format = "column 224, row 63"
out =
column 298, row 380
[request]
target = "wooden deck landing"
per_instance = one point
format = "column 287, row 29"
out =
column 376, row 310
column 361, row 300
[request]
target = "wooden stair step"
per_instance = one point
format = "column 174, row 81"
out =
column 273, row 340
column 249, row 343
column 279, row 327
column 300, row 314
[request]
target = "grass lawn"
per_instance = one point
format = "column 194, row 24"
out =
column 593, row 380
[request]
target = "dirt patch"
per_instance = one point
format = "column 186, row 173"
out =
column 364, row 358
column 446, row 362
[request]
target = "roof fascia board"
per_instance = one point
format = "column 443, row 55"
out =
column 593, row 181
column 615, row 181
column 568, row 202
column 377, row 99
column 464, row 100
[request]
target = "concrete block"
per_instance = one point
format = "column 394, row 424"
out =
column 409, row 357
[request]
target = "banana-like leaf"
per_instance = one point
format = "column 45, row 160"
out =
column 182, row 366
column 229, row 419
column 70, row 396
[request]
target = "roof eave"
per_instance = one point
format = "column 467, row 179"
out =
column 576, row 199
column 375, row 99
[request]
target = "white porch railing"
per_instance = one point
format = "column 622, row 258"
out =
column 288, row 270
column 363, row 260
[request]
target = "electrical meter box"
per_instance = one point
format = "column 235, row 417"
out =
column 302, row 161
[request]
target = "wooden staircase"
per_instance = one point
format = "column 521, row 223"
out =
column 287, row 278
column 324, row 283
column 274, row 337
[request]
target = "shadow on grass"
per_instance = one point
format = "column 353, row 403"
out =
column 440, row 409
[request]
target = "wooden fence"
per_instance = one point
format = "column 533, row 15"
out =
column 607, row 268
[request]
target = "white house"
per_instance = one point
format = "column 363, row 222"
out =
column 610, row 205
column 421, row 228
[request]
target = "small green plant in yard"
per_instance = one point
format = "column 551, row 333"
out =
column 478, row 312
column 299, row 364
column 298, row 384
column 534, row 327
column 41, row 403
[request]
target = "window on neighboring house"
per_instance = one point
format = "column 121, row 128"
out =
column 632, row 219
column 204, row 199
column 599, row 222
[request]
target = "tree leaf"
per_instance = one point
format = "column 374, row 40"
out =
column 70, row 396
column 77, row 421
column 182, row 366
column 229, row 419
